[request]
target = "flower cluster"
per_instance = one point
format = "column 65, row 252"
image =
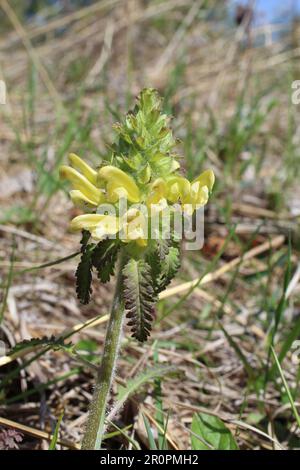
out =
column 143, row 170
column 139, row 181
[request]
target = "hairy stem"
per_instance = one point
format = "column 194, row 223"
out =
column 95, row 424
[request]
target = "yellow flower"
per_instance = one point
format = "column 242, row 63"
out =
column 99, row 225
column 178, row 189
column 199, row 191
column 119, row 184
column 85, row 190
column 158, row 191
column 80, row 200
column 134, row 227
column 207, row 178
column 80, row 165
column 108, row 226
column 175, row 165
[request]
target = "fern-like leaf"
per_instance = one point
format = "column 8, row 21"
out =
column 164, row 261
column 51, row 341
column 84, row 275
column 139, row 297
column 169, row 267
column 104, row 258
column 162, row 248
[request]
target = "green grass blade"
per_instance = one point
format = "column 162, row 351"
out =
column 152, row 443
column 53, row 442
column 287, row 389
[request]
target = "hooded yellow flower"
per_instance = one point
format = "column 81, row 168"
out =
column 85, row 192
column 119, row 184
column 135, row 227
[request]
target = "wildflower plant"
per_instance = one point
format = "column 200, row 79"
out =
column 126, row 202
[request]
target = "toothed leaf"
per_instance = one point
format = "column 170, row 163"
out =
column 169, row 267
column 104, row 258
column 84, row 275
column 52, row 341
column 139, row 297
column 164, row 261
column 162, row 248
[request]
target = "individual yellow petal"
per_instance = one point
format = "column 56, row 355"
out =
column 116, row 179
column 175, row 165
column 81, row 183
column 198, row 197
column 109, row 225
column 188, row 209
column 80, row 200
column 202, row 197
column 199, row 194
column 116, row 193
column 134, row 225
column 86, row 221
column 131, row 214
column 207, row 178
column 84, row 168
column 158, row 207
column 178, row 188
column 158, row 191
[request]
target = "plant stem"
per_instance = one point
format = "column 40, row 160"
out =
column 95, row 424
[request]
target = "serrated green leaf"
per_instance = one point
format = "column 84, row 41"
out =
column 212, row 432
column 52, row 341
column 169, row 267
column 84, row 275
column 139, row 297
column 124, row 392
column 144, row 377
column 104, row 258
column 162, row 248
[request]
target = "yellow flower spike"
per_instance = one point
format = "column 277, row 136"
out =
column 80, row 200
column 79, row 164
column 178, row 189
column 86, row 222
column 119, row 184
column 81, row 183
column 207, row 178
